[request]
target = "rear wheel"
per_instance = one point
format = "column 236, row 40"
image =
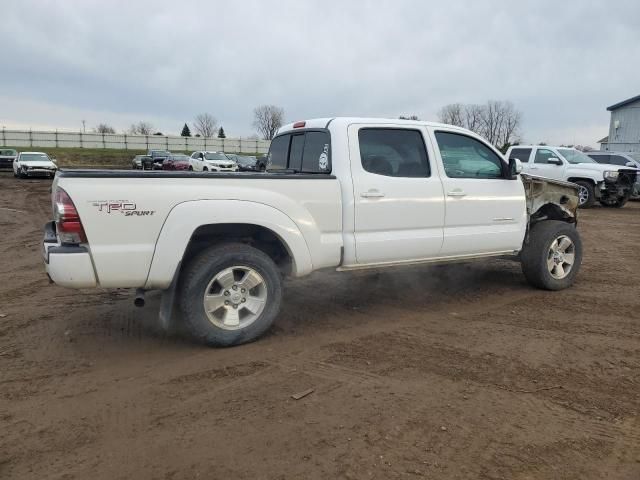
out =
column 586, row 194
column 229, row 294
column 552, row 256
column 205, row 169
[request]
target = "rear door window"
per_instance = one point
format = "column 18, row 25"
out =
column 393, row 152
column 521, row 154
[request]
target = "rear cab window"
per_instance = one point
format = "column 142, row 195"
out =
column 306, row 151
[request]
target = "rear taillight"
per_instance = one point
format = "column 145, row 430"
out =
column 68, row 224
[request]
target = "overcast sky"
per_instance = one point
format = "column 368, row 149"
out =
column 560, row 62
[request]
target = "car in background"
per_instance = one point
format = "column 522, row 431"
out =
column 611, row 185
column 624, row 159
column 203, row 161
column 7, row 156
column 158, row 157
column 142, row 162
column 248, row 163
column 176, row 161
column 34, row 164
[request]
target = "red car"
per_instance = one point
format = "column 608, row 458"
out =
column 176, row 162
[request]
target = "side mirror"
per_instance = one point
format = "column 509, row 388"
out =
column 554, row 161
column 515, row 168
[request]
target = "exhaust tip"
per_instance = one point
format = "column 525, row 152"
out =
column 139, row 301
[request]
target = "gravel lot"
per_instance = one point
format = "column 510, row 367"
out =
column 437, row 372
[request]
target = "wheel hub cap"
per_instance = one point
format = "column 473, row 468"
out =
column 235, row 297
column 561, row 257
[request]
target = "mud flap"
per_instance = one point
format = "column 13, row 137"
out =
column 168, row 308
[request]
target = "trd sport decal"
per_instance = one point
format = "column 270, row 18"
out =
column 123, row 207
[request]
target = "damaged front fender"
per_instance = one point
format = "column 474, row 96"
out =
column 549, row 199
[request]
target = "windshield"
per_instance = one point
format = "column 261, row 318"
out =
column 215, row 156
column 8, row 153
column 246, row 160
column 33, row 157
column 574, row 156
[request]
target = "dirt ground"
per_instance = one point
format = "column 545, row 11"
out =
column 437, row 372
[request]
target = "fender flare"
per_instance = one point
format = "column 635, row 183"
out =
column 188, row 216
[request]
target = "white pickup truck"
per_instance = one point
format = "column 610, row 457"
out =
column 611, row 185
column 341, row 193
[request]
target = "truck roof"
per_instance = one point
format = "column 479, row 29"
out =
column 324, row 123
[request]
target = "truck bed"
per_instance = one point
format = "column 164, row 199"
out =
column 139, row 223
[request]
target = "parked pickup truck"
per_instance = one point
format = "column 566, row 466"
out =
column 342, row 193
column 612, row 185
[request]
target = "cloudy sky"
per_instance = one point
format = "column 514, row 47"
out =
column 560, row 62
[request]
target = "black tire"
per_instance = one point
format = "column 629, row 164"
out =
column 591, row 195
column 263, row 168
column 536, row 254
column 190, row 168
column 205, row 169
column 202, row 269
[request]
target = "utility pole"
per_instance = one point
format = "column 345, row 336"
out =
column 84, row 125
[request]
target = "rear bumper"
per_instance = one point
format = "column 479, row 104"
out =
column 68, row 266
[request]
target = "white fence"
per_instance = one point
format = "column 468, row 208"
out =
column 29, row 138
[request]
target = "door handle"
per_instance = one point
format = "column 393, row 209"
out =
column 456, row 193
column 372, row 194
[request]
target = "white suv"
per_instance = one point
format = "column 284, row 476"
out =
column 204, row 161
column 611, row 185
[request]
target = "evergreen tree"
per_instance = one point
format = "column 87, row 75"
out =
column 221, row 133
column 185, row 131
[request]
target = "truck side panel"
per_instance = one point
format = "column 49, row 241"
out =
column 123, row 216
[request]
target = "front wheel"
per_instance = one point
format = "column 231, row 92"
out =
column 586, row 194
column 552, row 256
column 229, row 294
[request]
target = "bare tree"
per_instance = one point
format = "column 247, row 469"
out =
column 205, row 124
column 267, row 120
column 104, row 128
column 452, row 114
column 141, row 128
column 498, row 121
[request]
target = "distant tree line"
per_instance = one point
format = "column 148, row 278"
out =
column 267, row 119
